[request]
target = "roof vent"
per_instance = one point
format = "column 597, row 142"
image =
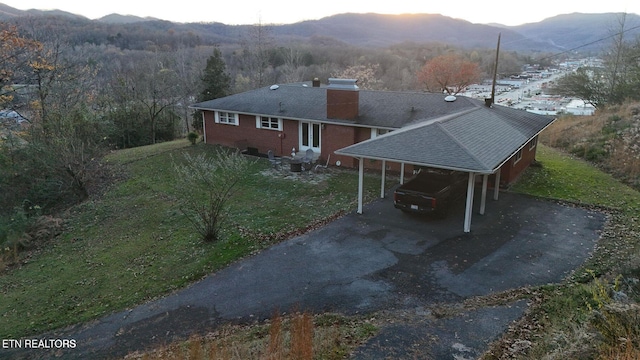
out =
column 450, row 98
column 274, row 87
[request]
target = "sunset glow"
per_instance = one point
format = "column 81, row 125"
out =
column 287, row 11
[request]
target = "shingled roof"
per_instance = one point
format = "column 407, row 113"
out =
column 478, row 140
column 463, row 134
column 380, row 109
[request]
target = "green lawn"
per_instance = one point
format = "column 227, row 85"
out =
column 562, row 319
column 561, row 176
column 133, row 244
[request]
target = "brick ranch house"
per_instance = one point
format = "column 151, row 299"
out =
column 389, row 129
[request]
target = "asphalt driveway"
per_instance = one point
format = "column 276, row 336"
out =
column 380, row 260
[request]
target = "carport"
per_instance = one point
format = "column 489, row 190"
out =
column 478, row 141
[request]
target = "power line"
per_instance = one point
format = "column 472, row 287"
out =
column 591, row 43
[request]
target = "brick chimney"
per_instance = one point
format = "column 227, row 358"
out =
column 343, row 99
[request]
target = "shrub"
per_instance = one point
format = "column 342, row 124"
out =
column 193, row 137
column 207, row 185
column 617, row 322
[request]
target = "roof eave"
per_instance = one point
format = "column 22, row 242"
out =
column 318, row 120
column 438, row 166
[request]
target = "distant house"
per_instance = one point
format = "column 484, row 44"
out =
column 390, row 129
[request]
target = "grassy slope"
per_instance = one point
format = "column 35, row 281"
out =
column 133, row 244
column 564, row 177
column 558, row 327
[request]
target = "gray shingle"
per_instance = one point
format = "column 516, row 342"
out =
column 479, row 140
column 386, row 109
column 463, row 134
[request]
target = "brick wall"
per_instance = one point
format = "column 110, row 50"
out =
column 513, row 168
column 342, row 104
column 336, row 137
column 333, row 137
column 246, row 134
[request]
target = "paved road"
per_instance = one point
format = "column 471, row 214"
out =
column 380, row 260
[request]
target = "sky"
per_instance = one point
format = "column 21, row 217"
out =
column 234, row 12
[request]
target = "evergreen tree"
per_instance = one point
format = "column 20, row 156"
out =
column 216, row 81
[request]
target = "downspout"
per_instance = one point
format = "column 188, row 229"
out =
column 360, row 184
column 204, row 129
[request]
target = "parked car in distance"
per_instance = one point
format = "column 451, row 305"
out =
column 431, row 191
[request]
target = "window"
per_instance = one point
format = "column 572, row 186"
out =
column 517, row 157
column 227, row 118
column 377, row 132
column 533, row 143
column 266, row 122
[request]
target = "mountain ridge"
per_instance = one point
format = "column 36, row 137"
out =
column 558, row 33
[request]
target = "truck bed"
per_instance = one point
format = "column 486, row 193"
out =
column 429, row 192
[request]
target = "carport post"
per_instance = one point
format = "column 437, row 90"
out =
column 401, row 173
column 384, row 176
column 496, row 186
column 360, row 183
column 469, row 207
column 483, row 200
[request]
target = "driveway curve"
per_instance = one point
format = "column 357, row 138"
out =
column 380, row 260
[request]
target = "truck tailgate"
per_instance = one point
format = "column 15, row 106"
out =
column 413, row 201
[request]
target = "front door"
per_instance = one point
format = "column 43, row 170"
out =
column 309, row 136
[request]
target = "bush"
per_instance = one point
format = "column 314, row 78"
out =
column 617, row 321
column 207, row 185
column 193, row 137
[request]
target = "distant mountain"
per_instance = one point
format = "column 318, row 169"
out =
column 577, row 30
column 7, row 12
column 123, row 19
column 384, row 30
column 562, row 32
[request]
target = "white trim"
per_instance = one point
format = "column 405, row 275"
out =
column 204, row 128
column 360, row 184
column 226, row 120
column 469, row 204
column 303, row 147
column 507, row 159
column 483, row 199
column 324, row 121
column 533, row 143
column 384, row 177
column 496, row 186
column 517, row 157
column 259, row 123
column 375, row 132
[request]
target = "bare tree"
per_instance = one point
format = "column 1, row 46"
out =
column 15, row 52
column 255, row 53
column 365, row 74
column 153, row 88
column 616, row 82
column 207, row 184
column 188, row 66
column 448, row 73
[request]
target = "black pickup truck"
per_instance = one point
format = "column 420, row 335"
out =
column 431, row 191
